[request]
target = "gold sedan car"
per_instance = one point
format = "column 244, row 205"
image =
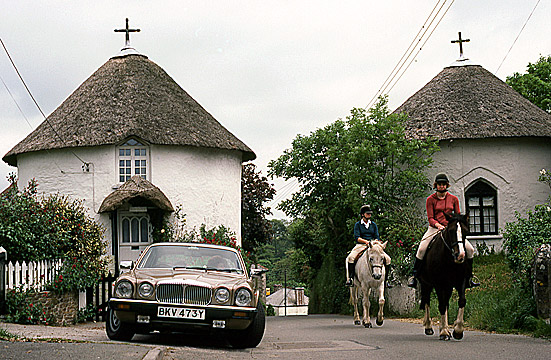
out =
column 187, row 287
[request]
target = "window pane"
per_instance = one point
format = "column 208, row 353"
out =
column 128, row 171
column 121, row 178
column 125, row 231
column 127, row 152
column 488, row 201
column 121, row 152
column 131, row 142
column 143, row 152
column 474, row 201
column 143, row 163
column 135, row 230
column 136, row 152
column 144, row 231
column 137, row 163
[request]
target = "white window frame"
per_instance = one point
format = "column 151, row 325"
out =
column 134, row 239
column 133, row 158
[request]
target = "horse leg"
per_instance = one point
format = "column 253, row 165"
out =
column 380, row 316
column 459, row 324
column 426, row 321
column 443, row 301
column 354, row 299
column 367, row 304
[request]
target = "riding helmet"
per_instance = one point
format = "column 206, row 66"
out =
column 365, row 209
column 441, row 178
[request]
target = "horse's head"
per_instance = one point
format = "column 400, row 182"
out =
column 455, row 233
column 376, row 258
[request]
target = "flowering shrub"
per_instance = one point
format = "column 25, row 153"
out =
column 22, row 311
column 52, row 227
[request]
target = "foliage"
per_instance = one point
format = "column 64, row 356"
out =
column 21, row 310
column 255, row 192
column 535, row 85
column 52, row 227
column 220, row 235
column 89, row 312
column 524, row 236
column 364, row 159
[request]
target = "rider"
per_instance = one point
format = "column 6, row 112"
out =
column 438, row 204
column 365, row 231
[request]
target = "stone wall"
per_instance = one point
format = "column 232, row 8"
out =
column 64, row 307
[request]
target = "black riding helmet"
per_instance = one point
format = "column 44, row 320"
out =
column 441, row 178
column 365, row 209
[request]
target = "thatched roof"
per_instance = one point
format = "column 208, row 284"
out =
column 134, row 188
column 129, row 96
column 468, row 102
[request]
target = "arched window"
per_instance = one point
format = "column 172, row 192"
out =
column 481, row 200
column 134, row 229
column 133, row 159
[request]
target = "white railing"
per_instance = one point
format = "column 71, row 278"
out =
column 32, row 274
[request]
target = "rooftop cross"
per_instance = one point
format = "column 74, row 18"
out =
column 460, row 41
column 127, row 31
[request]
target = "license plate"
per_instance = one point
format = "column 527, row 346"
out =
column 181, row 313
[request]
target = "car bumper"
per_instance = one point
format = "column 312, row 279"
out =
column 143, row 313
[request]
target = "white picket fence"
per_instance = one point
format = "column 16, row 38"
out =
column 32, row 274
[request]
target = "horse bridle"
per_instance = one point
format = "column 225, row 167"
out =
column 450, row 247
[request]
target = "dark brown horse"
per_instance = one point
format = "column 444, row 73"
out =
column 444, row 269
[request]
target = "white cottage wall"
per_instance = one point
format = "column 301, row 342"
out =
column 511, row 165
column 205, row 182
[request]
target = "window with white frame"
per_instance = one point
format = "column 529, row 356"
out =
column 133, row 160
column 481, row 201
column 134, row 230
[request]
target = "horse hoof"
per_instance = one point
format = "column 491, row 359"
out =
column 357, row 322
column 379, row 323
column 445, row 337
column 429, row 332
column 457, row 335
column 368, row 325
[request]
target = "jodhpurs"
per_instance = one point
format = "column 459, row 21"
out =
column 431, row 232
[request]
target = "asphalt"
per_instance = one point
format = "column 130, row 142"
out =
column 89, row 332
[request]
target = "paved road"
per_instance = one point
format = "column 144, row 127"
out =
column 294, row 337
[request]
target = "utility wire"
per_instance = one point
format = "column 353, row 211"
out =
column 34, row 100
column 520, row 32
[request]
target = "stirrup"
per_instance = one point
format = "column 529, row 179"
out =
column 412, row 282
column 349, row 282
column 471, row 283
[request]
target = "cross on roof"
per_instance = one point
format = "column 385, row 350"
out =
column 460, row 41
column 127, row 31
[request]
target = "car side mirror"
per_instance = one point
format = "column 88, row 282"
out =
column 258, row 272
column 126, row 265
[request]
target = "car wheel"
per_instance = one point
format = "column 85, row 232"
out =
column 116, row 329
column 251, row 336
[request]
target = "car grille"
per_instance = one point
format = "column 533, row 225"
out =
column 184, row 294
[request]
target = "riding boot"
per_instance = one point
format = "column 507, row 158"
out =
column 469, row 273
column 351, row 271
column 416, row 267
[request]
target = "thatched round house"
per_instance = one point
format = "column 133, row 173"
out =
column 493, row 144
column 135, row 145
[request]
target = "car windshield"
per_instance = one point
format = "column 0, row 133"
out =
column 191, row 257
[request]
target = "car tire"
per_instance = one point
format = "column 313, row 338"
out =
column 116, row 329
column 252, row 335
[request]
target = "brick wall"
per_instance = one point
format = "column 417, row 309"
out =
column 64, row 307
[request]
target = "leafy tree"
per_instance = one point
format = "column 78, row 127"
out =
column 535, row 85
column 255, row 192
column 365, row 158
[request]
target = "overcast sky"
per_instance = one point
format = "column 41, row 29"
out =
column 266, row 70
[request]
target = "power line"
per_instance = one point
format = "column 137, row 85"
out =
column 34, row 100
column 520, row 32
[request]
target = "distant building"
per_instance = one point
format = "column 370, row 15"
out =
column 134, row 145
column 493, row 144
column 296, row 303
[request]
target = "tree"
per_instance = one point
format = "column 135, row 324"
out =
column 255, row 192
column 364, row 159
column 535, row 85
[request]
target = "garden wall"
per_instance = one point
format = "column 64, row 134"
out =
column 63, row 307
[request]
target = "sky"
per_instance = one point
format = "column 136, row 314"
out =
column 266, row 70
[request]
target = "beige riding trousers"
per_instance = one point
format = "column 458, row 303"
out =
column 431, row 232
column 359, row 248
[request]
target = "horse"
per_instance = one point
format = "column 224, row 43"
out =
column 444, row 269
column 370, row 274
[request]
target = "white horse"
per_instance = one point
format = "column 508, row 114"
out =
column 370, row 274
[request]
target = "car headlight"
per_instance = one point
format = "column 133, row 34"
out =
column 145, row 289
column 124, row 289
column 243, row 297
column 222, row 295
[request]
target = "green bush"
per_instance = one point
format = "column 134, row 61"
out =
column 22, row 311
